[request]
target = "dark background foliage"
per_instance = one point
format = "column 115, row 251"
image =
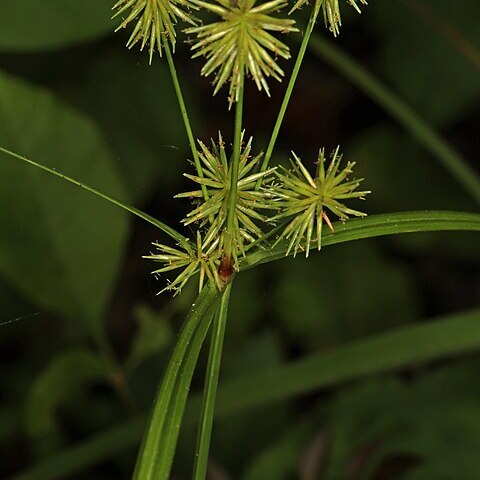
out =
column 84, row 338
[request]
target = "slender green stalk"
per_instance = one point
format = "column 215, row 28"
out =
column 163, row 460
column 210, row 390
column 288, row 92
column 154, row 458
column 237, row 140
column 398, row 109
column 183, row 110
column 144, row 216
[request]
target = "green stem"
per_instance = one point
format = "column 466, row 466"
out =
column 174, row 415
column 156, row 453
column 237, row 141
column 401, row 111
column 288, row 93
column 183, row 110
column 210, row 391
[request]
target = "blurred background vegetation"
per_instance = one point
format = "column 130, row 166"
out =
column 84, row 338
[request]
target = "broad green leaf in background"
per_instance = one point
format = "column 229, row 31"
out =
column 433, row 421
column 280, row 460
column 59, row 246
column 37, row 25
column 14, row 309
column 59, row 382
column 404, row 347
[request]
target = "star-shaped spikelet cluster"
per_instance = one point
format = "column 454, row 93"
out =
column 154, row 18
column 331, row 11
column 241, row 43
column 191, row 258
column 211, row 214
column 307, row 198
column 207, row 255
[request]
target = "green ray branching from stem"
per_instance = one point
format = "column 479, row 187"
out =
column 235, row 160
column 288, row 93
column 184, row 112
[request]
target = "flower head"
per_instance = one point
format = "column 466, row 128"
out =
column 154, row 19
column 240, row 43
column 331, row 11
column 192, row 258
column 308, row 198
column 212, row 213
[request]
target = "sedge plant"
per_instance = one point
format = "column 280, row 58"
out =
column 239, row 200
column 245, row 209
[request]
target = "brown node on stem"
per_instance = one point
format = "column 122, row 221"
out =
column 226, row 269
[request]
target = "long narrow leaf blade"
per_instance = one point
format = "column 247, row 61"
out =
column 400, row 348
column 176, row 408
column 144, row 216
column 376, row 226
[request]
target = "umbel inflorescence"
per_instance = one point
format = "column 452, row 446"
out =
column 155, row 21
column 291, row 194
column 239, row 203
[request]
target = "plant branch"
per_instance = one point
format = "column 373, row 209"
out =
column 237, row 141
column 288, row 92
column 183, row 110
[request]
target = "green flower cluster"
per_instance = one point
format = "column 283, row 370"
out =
column 242, row 43
column 292, row 196
column 238, row 201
